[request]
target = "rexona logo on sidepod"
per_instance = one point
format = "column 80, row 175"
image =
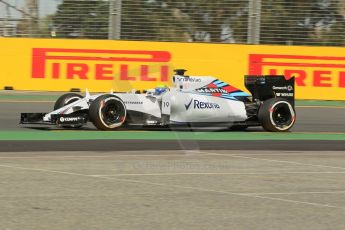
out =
column 86, row 64
column 201, row 105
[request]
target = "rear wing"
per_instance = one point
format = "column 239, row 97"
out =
column 263, row 87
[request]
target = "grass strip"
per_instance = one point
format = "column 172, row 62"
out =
column 163, row 135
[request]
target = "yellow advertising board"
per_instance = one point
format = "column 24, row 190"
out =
column 100, row 66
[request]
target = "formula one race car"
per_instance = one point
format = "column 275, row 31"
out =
column 192, row 101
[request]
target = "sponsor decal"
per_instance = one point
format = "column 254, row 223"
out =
column 85, row 64
column 69, row 119
column 288, row 88
column 284, row 94
column 315, row 71
column 188, row 105
column 201, row 105
column 134, row 102
column 211, row 90
column 187, row 79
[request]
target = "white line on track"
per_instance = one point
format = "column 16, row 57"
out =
column 97, row 156
column 258, row 194
column 163, row 154
column 296, row 193
column 272, row 160
column 170, row 186
column 159, row 154
column 212, row 173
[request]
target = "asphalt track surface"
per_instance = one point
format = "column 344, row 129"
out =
column 192, row 190
column 311, row 119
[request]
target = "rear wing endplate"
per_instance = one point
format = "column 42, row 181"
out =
column 263, row 87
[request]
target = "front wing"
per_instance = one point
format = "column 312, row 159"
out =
column 56, row 119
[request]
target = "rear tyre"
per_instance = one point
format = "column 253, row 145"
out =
column 107, row 112
column 66, row 99
column 277, row 115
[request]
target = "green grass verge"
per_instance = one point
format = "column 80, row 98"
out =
column 163, row 135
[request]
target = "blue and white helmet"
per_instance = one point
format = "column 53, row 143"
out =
column 160, row 90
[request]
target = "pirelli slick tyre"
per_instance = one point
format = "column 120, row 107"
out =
column 66, row 99
column 277, row 115
column 107, row 112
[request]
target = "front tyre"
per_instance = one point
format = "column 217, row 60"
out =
column 107, row 112
column 277, row 115
column 66, row 99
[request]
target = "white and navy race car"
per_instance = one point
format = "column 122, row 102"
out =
column 192, row 101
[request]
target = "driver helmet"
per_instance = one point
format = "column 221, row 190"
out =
column 160, row 89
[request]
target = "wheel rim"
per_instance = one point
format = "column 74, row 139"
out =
column 282, row 115
column 112, row 113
